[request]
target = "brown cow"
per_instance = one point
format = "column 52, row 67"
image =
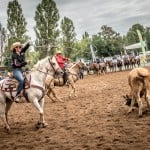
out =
column 139, row 82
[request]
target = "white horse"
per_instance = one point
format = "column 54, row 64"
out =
column 34, row 94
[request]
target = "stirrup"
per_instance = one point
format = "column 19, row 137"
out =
column 17, row 99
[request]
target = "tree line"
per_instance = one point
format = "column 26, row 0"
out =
column 53, row 33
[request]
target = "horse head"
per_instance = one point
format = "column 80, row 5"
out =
column 81, row 64
column 48, row 64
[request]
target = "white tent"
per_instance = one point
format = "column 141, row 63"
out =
column 135, row 46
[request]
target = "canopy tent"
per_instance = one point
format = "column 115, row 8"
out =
column 135, row 46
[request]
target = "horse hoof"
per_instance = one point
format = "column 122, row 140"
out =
column 38, row 125
column 7, row 129
column 41, row 125
column 44, row 124
column 140, row 115
column 70, row 96
column 61, row 101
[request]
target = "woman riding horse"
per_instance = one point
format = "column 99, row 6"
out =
column 34, row 93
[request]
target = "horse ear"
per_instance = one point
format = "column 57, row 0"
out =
column 124, row 96
column 127, row 96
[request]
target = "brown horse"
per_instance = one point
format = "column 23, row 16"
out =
column 73, row 76
column 119, row 64
column 112, row 65
column 126, row 62
column 103, row 67
column 132, row 62
column 138, row 61
column 94, row 67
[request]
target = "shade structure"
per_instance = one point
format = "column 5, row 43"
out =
column 135, row 46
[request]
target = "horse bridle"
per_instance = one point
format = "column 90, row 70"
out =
column 51, row 64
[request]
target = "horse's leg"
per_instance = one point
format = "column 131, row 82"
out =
column 3, row 115
column 73, row 91
column 49, row 94
column 39, row 106
column 132, row 104
column 54, row 94
column 42, row 119
column 124, row 67
column 8, row 106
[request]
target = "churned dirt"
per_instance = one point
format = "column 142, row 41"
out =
column 96, row 120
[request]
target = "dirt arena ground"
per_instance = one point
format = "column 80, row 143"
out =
column 95, row 120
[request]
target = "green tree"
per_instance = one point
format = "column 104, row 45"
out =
column 132, row 36
column 99, row 44
column 3, row 38
column 46, row 29
column 111, row 41
column 85, row 35
column 16, row 25
column 82, row 49
column 33, row 56
column 68, row 36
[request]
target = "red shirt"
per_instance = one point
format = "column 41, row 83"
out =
column 61, row 60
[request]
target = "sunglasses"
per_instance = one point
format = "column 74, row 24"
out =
column 18, row 47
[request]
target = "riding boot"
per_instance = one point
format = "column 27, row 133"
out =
column 18, row 97
column 65, row 77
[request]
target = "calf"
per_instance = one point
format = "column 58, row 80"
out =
column 139, row 82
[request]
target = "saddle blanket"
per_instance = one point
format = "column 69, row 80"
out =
column 11, row 84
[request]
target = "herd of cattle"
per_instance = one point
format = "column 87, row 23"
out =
column 113, row 65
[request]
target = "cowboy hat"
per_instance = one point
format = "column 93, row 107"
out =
column 59, row 52
column 15, row 45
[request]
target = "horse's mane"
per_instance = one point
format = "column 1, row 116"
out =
column 74, row 65
column 39, row 63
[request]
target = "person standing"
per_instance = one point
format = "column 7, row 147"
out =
column 18, row 61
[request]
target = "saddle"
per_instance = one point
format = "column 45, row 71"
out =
column 10, row 84
column 61, row 79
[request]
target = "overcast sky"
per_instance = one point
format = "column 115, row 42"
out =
column 89, row 15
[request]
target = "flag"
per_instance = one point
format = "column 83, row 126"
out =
column 142, row 43
column 92, row 52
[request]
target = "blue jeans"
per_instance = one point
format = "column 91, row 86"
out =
column 18, row 74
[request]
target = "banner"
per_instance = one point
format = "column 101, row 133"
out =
column 142, row 44
column 92, row 52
